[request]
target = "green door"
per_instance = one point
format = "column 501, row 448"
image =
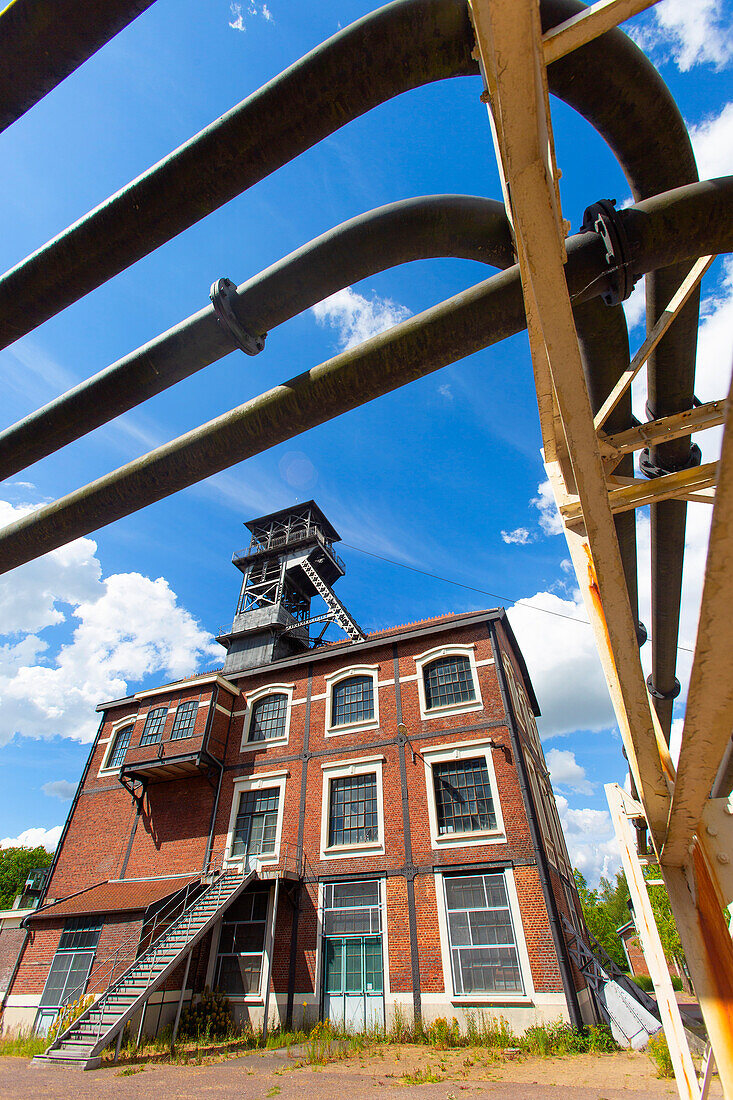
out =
column 353, row 982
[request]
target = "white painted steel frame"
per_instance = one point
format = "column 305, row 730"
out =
column 513, row 55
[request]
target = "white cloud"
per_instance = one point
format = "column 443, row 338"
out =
column 445, row 391
column 550, row 521
column 565, row 771
column 128, row 627
column 712, row 140
column 687, row 33
column 239, row 14
column 357, row 318
column 592, row 846
column 34, row 838
column 520, row 535
column 563, row 665
column 635, row 305
column 59, row 788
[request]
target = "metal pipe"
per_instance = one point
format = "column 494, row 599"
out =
column 270, row 960
column 42, row 43
column 180, row 1000
column 466, row 323
column 401, row 46
column 420, row 228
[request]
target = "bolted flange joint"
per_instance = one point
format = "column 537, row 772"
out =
column 223, row 296
column 602, row 217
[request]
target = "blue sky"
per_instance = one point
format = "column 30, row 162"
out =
column 443, row 476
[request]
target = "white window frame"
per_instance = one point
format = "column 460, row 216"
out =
column 259, row 781
column 365, row 765
column 447, row 753
column 525, row 998
column 427, row 658
column 346, row 674
column 254, row 697
column 120, row 724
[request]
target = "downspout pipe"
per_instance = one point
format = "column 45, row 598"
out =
column 401, row 46
column 679, row 225
column 421, row 228
column 543, row 871
column 42, row 43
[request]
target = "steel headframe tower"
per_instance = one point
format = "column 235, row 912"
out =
column 687, row 814
column 290, row 559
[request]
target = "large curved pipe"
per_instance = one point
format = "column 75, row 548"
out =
column 401, row 46
column 42, row 43
column 415, row 229
column 698, row 223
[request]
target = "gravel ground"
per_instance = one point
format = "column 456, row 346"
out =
column 394, row 1071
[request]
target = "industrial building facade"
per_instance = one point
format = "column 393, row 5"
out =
column 389, row 794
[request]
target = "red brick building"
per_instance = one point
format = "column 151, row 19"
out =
column 389, row 791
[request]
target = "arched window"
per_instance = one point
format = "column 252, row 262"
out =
column 448, row 681
column 119, row 748
column 269, row 716
column 352, row 701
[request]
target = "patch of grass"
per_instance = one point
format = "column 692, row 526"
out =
column 129, row 1071
column 274, row 1091
column 22, row 1044
column 421, row 1077
column 658, row 1051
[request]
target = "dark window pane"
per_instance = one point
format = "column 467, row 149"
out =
column 80, row 932
column 463, row 798
column 256, row 825
column 184, row 720
column 334, row 959
column 239, row 974
column 119, row 748
column 351, row 908
column 153, row 727
column 352, row 701
column 268, row 718
column 448, row 680
column 483, row 951
column 353, row 810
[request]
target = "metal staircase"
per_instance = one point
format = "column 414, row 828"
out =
column 337, row 612
column 82, row 1042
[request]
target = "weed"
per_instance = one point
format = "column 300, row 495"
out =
column 129, row 1071
column 274, row 1091
column 659, row 1052
column 22, row 1044
column 420, row 1077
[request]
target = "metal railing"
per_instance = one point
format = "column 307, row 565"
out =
column 277, row 542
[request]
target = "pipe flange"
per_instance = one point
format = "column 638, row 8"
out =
column 651, row 469
column 603, row 218
column 641, row 634
column 663, row 694
column 223, row 296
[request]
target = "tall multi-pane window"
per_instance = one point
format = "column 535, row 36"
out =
column 241, row 944
column 483, row 947
column 153, row 727
column 185, row 720
column 463, row 799
column 352, row 701
column 269, row 716
column 119, row 748
column 72, row 962
column 448, row 681
column 255, row 829
column 353, row 815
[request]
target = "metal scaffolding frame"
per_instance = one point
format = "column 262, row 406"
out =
column 525, row 49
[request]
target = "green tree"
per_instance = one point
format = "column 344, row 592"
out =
column 605, row 910
column 664, row 919
column 15, row 863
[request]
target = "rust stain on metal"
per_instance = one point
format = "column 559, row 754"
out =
column 595, row 593
column 715, row 934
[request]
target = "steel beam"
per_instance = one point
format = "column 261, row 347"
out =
column 589, row 24
column 633, row 492
column 43, row 41
column 698, row 419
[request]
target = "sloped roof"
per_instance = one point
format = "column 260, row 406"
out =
column 114, row 897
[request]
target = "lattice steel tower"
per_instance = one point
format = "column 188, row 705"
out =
column 290, row 559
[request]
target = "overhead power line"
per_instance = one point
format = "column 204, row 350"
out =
column 482, row 591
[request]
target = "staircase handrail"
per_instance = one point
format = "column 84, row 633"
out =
column 101, row 998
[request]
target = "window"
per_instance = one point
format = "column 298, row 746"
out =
column 353, row 816
column 269, row 717
column 119, row 749
column 153, row 727
column 351, row 908
column 481, row 940
column 463, row 799
column 448, row 681
column 72, row 962
column 241, row 945
column 184, row 720
column 352, row 701
column 255, row 827
column 352, row 808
